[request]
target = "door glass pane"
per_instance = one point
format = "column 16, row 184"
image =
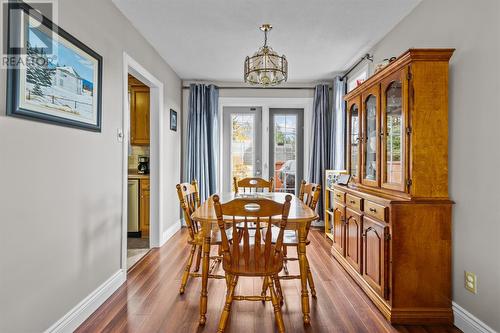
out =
column 394, row 132
column 242, row 145
column 371, row 138
column 285, row 152
column 354, row 140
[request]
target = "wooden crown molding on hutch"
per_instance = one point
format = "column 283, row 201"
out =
column 391, row 230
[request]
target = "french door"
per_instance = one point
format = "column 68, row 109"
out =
column 244, row 143
column 286, row 148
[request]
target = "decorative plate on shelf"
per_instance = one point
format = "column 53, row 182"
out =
column 331, row 177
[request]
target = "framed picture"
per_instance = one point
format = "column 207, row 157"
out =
column 173, row 120
column 58, row 79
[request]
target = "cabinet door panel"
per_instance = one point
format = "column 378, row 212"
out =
column 144, row 208
column 371, row 138
column 338, row 228
column 393, row 131
column 353, row 226
column 354, row 138
column 139, row 121
column 375, row 254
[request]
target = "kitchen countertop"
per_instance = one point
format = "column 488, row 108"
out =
column 132, row 174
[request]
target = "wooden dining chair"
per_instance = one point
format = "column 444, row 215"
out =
column 190, row 200
column 254, row 254
column 253, row 184
column 309, row 193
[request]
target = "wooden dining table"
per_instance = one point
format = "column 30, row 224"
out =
column 299, row 218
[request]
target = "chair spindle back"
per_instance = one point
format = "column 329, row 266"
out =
column 309, row 194
column 190, row 200
column 253, row 184
column 252, row 251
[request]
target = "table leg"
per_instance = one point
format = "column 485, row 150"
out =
column 204, row 278
column 303, row 273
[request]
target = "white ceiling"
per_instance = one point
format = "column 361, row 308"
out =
column 209, row 39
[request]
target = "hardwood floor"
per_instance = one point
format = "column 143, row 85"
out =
column 149, row 301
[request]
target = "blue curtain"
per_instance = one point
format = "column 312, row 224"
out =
column 203, row 138
column 319, row 158
column 338, row 126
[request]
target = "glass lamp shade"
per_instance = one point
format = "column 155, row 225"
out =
column 266, row 67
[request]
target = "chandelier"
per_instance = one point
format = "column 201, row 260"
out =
column 266, row 67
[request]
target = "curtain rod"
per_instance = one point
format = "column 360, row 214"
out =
column 366, row 56
column 267, row 88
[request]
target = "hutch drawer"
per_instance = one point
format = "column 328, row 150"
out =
column 375, row 210
column 354, row 202
column 339, row 196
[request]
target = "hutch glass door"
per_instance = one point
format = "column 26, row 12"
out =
column 354, row 141
column 393, row 134
column 371, row 139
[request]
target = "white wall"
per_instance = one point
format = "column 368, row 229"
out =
column 61, row 190
column 473, row 28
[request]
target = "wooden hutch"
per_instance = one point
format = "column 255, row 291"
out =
column 392, row 223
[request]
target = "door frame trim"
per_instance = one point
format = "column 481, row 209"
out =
column 266, row 103
column 156, row 107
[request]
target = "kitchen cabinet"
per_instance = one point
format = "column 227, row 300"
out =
column 139, row 115
column 144, row 209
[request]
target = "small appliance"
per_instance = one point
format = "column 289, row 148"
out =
column 143, row 167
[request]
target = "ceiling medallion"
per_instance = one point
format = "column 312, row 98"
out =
column 266, row 67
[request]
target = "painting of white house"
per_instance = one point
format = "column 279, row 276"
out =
column 59, row 79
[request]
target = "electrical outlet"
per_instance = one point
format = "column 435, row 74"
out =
column 471, row 282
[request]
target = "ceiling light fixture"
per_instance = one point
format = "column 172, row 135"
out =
column 266, row 67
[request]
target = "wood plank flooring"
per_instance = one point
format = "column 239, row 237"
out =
column 149, row 300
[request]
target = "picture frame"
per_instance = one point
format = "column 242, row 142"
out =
column 343, row 179
column 58, row 79
column 173, row 120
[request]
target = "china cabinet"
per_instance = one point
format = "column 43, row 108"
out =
column 391, row 225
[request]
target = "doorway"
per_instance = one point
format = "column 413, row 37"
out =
column 154, row 193
column 138, row 202
column 248, row 132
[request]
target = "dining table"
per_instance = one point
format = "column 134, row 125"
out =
column 299, row 219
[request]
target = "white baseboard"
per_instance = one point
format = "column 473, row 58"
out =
column 167, row 234
column 467, row 322
column 76, row 316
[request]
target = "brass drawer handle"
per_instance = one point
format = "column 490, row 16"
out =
column 338, row 196
column 373, row 210
column 352, row 201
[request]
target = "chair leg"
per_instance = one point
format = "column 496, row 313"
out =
column 198, row 258
column 310, row 280
column 276, row 305
column 285, row 262
column 227, row 307
column 264, row 289
column 187, row 270
column 278, row 289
